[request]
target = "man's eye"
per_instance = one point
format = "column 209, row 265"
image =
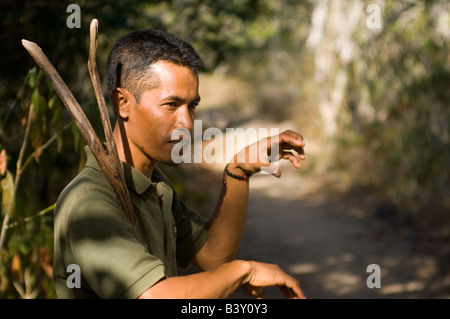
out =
column 172, row 104
column 193, row 105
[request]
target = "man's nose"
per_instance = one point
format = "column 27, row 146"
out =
column 185, row 118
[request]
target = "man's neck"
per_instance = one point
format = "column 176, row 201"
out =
column 129, row 153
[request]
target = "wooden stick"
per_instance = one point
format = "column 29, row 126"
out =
column 121, row 189
column 107, row 159
column 93, row 71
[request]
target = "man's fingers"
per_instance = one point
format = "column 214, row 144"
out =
column 254, row 292
column 258, row 294
column 298, row 293
column 292, row 158
column 292, row 142
column 264, row 275
column 300, row 152
column 293, row 292
column 287, row 145
column 293, row 138
column 287, row 292
column 291, row 289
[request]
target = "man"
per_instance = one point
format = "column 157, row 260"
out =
column 153, row 82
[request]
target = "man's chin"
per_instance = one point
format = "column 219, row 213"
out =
column 168, row 160
column 169, row 163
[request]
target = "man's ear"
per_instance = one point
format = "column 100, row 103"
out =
column 122, row 101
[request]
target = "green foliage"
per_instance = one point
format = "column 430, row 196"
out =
column 37, row 167
column 403, row 140
column 26, row 235
column 7, row 187
column 393, row 126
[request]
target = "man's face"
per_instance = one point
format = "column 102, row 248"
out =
column 170, row 106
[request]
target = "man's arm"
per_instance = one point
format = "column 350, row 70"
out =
column 223, row 276
column 227, row 223
column 224, row 280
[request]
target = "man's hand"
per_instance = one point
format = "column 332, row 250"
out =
column 224, row 280
column 262, row 154
column 263, row 275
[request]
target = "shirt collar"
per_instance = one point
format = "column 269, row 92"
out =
column 134, row 179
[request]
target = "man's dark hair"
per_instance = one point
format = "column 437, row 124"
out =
column 128, row 64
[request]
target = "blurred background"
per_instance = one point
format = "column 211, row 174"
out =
column 367, row 83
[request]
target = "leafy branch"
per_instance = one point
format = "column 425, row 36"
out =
column 10, row 198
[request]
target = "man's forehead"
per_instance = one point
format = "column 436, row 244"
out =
column 172, row 80
column 157, row 67
column 166, row 67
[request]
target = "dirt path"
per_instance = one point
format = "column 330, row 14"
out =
column 327, row 242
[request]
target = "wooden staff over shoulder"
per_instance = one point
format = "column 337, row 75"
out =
column 107, row 159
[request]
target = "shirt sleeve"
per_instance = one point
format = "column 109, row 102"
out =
column 112, row 259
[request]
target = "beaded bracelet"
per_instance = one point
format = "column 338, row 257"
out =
column 238, row 177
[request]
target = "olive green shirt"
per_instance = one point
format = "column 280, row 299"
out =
column 93, row 233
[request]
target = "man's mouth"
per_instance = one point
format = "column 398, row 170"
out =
column 180, row 143
column 179, row 140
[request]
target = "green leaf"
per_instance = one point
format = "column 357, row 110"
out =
column 54, row 105
column 8, row 196
column 78, row 140
column 39, row 103
column 32, row 78
column 39, row 125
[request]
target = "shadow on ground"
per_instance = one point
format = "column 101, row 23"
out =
column 328, row 241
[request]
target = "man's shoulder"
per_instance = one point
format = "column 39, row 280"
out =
column 87, row 188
